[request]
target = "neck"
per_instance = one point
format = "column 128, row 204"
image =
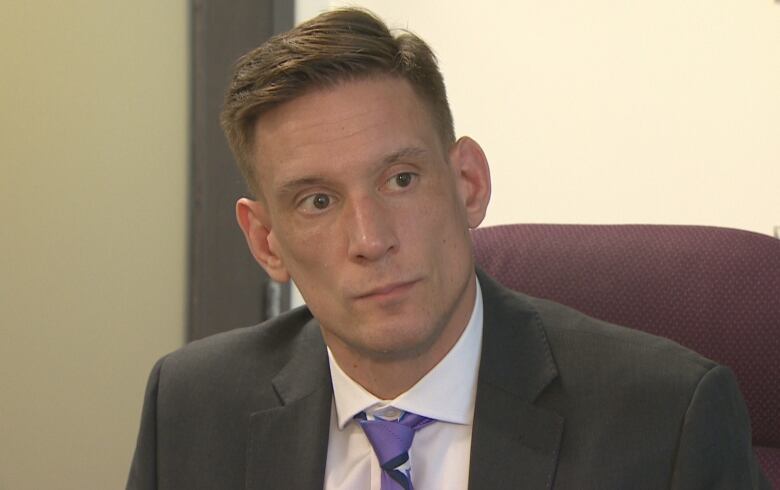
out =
column 388, row 375
column 386, row 379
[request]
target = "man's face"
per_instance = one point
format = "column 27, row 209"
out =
column 368, row 213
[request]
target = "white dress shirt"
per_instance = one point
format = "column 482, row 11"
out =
column 440, row 452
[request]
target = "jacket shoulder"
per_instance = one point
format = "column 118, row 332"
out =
column 201, row 398
column 578, row 340
column 268, row 343
column 237, row 363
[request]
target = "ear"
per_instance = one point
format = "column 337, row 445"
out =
column 254, row 221
column 472, row 174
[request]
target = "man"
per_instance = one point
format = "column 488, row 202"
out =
column 408, row 367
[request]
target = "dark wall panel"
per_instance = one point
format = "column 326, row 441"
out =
column 227, row 288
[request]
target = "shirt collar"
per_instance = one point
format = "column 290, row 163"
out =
column 453, row 379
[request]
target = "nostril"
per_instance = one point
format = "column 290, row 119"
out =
column 372, row 247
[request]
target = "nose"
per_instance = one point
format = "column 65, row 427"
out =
column 371, row 230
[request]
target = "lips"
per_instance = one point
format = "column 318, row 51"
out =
column 388, row 290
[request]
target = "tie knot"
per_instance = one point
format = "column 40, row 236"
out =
column 391, row 440
column 392, row 415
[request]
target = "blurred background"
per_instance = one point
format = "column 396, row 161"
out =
column 589, row 112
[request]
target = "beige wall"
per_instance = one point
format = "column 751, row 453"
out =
column 93, row 156
column 596, row 111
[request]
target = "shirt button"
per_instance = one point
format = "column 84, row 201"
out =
column 389, row 413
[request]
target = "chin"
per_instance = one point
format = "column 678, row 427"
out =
column 392, row 343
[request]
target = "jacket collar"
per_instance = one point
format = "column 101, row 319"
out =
column 514, row 443
column 287, row 445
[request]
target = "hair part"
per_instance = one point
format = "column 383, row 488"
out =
column 336, row 46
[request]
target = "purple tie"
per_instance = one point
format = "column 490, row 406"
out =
column 391, row 441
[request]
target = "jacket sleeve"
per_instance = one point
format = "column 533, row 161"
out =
column 715, row 450
column 143, row 470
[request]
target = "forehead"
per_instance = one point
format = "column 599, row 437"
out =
column 353, row 123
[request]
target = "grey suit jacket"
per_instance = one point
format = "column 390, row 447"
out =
column 563, row 402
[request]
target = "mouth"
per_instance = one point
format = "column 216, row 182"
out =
column 388, row 291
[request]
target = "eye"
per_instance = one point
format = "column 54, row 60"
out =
column 404, row 179
column 315, row 203
column 320, row 201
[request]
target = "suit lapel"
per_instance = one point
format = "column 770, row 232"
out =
column 514, row 443
column 287, row 444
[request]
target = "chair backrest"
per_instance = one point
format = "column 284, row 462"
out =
column 714, row 290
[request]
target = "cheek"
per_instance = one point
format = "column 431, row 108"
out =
column 440, row 239
column 442, row 216
column 308, row 253
column 449, row 237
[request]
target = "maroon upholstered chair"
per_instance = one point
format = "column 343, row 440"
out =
column 714, row 290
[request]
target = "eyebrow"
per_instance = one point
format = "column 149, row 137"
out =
column 409, row 152
column 404, row 153
column 295, row 184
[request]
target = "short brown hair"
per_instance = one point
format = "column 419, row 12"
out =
column 335, row 46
